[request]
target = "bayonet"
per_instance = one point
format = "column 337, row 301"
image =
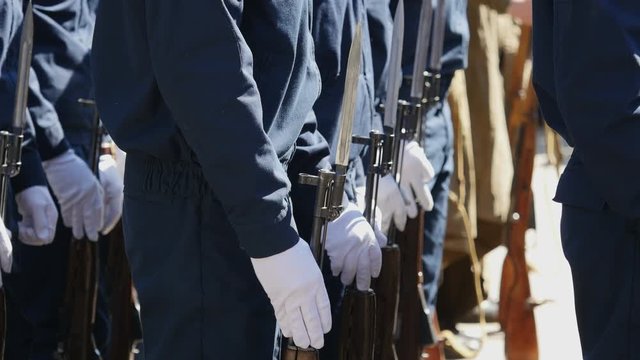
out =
column 24, row 66
column 349, row 97
column 422, row 48
column 395, row 68
column 432, row 84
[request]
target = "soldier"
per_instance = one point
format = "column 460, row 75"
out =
column 334, row 25
column 88, row 206
column 210, row 111
column 587, row 78
column 35, row 224
column 437, row 140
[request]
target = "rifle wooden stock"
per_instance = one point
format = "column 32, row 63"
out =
column 357, row 327
column 80, row 302
column 387, row 288
column 516, row 309
column 410, row 310
column 126, row 330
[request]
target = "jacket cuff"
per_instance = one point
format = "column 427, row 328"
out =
column 48, row 151
column 264, row 240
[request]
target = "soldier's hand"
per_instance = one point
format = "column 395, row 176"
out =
column 113, row 196
column 353, row 248
column 294, row 283
column 79, row 193
column 393, row 205
column 39, row 216
column 6, row 250
column 417, row 171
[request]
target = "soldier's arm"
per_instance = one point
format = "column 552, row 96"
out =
column 204, row 73
column 598, row 80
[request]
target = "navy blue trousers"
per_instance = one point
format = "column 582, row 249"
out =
column 603, row 250
column 199, row 296
column 438, row 146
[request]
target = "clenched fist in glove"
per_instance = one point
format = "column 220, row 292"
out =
column 79, row 193
column 112, row 184
column 39, row 216
column 6, row 250
column 353, row 248
column 417, row 171
column 294, row 283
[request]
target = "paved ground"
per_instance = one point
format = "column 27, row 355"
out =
column 550, row 279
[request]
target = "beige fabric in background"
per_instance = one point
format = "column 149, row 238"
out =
column 492, row 151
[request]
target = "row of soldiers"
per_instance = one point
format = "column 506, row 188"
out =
column 218, row 117
column 220, row 106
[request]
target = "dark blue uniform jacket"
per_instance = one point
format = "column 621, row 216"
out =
column 61, row 60
column 587, row 78
column 226, row 85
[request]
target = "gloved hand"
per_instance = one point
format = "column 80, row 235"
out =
column 294, row 283
column 360, row 201
column 394, row 205
column 353, row 248
column 6, row 250
column 39, row 216
column 79, row 193
column 113, row 196
column 417, row 171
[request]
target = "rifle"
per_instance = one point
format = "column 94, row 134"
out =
column 425, row 93
column 126, row 330
column 516, row 307
column 387, row 286
column 11, row 141
column 356, row 342
column 79, row 307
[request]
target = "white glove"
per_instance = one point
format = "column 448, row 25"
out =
column 393, row 204
column 113, row 195
column 360, row 201
column 294, row 283
column 417, row 171
column 39, row 216
column 79, row 193
column 6, row 250
column 353, row 248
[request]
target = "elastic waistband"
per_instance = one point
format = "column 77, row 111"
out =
column 147, row 174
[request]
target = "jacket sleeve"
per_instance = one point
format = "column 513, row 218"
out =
column 48, row 129
column 598, row 91
column 204, row 73
column 380, row 32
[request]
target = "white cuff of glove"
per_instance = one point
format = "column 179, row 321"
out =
column 417, row 171
column 113, row 192
column 39, row 216
column 294, row 283
column 79, row 193
column 353, row 248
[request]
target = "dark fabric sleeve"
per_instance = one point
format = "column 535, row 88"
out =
column 204, row 73
column 597, row 47
column 51, row 140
